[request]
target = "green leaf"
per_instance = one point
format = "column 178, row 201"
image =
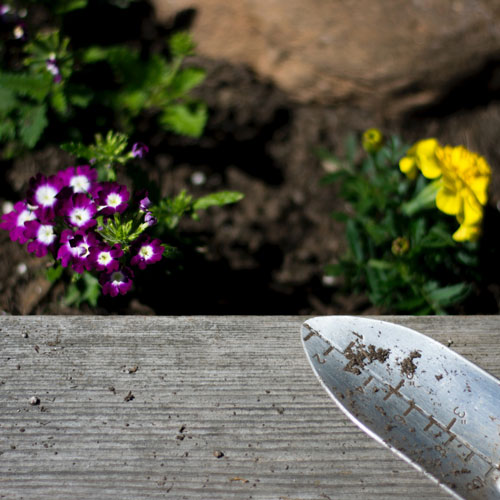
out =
column 354, row 239
column 8, row 100
column 185, row 80
column 424, row 200
column 169, row 211
column 375, row 230
column 77, row 149
column 381, row 264
column 33, row 121
column 351, row 147
column 217, row 199
column 85, row 289
column 417, row 231
column 65, row 6
column 7, row 130
column 437, row 237
column 181, row 44
column 58, row 101
column 169, row 251
column 54, row 273
column 94, row 54
column 79, row 96
column 413, row 304
column 25, row 84
column 185, row 118
column 449, row 295
column 134, row 101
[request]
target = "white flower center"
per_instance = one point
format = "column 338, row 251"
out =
column 146, row 252
column 104, row 258
column 25, row 216
column 83, row 250
column 80, row 183
column 113, row 200
column 117, row 278
column 46, row 234
column 46, row 195
column 79, row 216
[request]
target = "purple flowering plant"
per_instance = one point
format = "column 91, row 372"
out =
column 85, row 225
column 93, row 226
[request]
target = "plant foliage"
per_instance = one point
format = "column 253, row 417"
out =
column 400, row 247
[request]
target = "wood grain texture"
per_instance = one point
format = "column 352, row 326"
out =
column 139, row 407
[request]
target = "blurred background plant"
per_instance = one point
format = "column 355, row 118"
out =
column 404, row 249
column 46, row 79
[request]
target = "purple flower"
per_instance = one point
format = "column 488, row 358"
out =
column 79, row 211
column 53, row 68
column 116, row 282
column 75, row 248
column 105, row 258
column 142, row 199
column 146, row 251
column 80, row 179
column 43, row 236
column 139, row 150
column 14, row 221
column 150, row 219
column 42, row 194
column 111, row 197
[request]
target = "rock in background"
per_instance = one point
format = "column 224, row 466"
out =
column 388, row 56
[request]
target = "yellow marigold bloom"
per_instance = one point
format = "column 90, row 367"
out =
column 422, row 156
column 372, row 140
column 464, row 189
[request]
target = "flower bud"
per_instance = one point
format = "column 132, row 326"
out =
column 372, row 140
column 400, row 246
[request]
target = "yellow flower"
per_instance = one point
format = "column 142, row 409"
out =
column 372, row 140
column 464, row 188
column 467, row 233
column 422, row 156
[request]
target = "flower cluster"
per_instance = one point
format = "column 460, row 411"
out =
column 462, row 180
column 86, row 225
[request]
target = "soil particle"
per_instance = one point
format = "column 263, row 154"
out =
column 360, row 355
column 408, row 367
column 438, row 377
column 129, row 396
column 461, row 471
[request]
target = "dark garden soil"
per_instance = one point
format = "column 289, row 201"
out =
column 266, row 254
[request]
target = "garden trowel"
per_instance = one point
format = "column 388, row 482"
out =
column 429, row 405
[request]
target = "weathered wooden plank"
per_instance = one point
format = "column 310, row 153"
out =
column 139, row 407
